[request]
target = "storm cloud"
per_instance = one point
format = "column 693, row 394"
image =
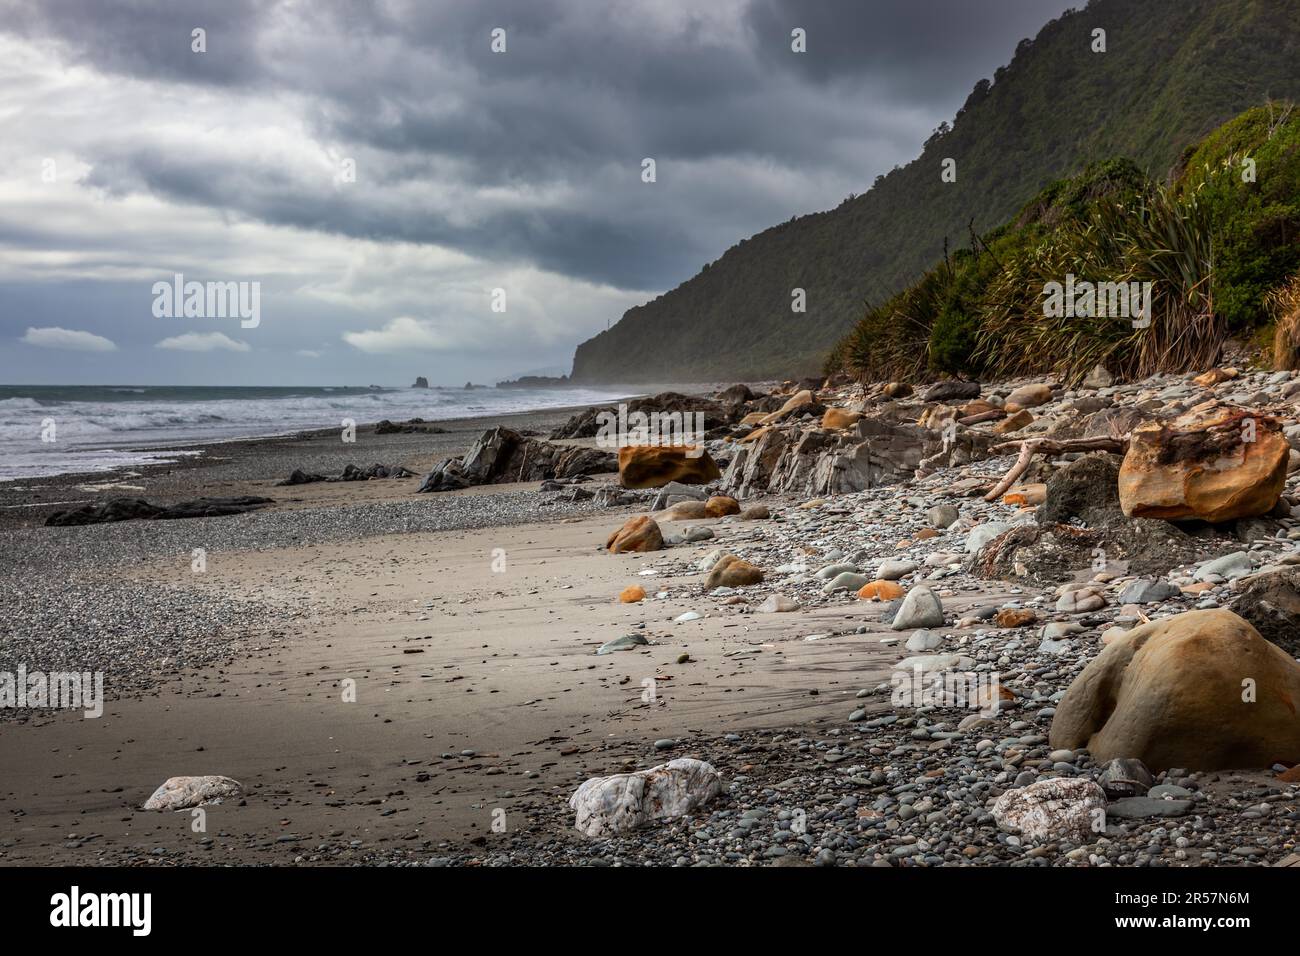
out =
column 474, row 169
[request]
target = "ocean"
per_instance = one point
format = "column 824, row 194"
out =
column 73, row 429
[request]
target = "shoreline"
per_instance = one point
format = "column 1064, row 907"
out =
column 467, row 623
column 259, row 461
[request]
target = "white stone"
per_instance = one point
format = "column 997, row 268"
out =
column 626, row 801
column 1059, row 808
column 181, row 793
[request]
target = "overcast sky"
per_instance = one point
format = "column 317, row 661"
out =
column 126, row 157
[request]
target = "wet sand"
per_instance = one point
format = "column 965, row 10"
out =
column 448, row 655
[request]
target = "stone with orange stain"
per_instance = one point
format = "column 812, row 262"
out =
column 1015, row 617
column 1216, row 462
column 652, row 466
column 632, row 594
column 1026, row 495
column 925, row 534
column 880, row 591
column 839, row 418
column 637, row 534
column 720, row 505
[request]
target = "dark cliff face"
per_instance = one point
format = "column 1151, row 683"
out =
column 1173, row 70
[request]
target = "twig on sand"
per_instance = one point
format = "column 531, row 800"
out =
column 1048, row 446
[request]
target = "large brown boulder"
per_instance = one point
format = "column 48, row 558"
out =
column 637, row 534
column 1216, row 463
column 1200, row 690
column 652, row 466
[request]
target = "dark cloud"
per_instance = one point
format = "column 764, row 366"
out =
column 534, row 156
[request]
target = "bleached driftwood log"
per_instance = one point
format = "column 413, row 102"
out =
column 1048, row 446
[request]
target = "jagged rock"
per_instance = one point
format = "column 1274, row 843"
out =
column 637, row 534
column 181, row 793
column 447, row 475
column 1203, row 466
column 1271, row 604
column 128, row 509
column 1059, row 808
column 420, row 382
column 502, row 455
column 410, row 426
column 587, row 423
column 625, row 801
column 650, row 466
column 349, row 473
column 1200, row 690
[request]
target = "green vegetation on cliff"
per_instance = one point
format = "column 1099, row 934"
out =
column 1173, row 71
column 1210, row 245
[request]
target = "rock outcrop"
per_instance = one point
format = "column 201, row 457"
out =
column 502, row 455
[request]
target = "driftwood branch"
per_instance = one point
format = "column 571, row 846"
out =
column 1047, row 446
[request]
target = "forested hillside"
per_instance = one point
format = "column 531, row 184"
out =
column 1055, row 109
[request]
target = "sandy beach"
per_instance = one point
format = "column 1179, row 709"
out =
column 414, row 679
